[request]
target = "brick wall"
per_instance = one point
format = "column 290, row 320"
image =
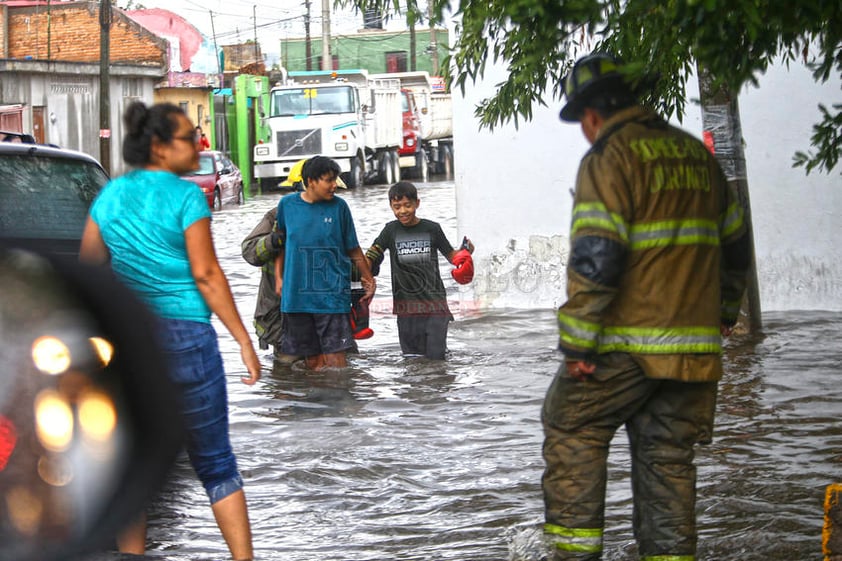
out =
column 3, row 18
column 74, row 36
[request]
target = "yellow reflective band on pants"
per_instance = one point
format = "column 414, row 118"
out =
column 669, row 558
column 584, row 540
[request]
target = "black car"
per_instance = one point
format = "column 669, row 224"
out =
column 45, row 194
column 78, row 359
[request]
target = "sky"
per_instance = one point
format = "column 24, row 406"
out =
column 234, row 21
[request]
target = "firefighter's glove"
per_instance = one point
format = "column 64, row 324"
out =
column 464, row 271
column 277, row 239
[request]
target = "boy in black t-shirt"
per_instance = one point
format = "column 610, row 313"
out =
column 419, row 298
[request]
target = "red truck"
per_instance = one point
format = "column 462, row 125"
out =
column 427, row 126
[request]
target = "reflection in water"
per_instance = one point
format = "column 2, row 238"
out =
column 410, row 459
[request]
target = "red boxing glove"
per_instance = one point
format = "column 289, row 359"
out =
column 359, row 315
column 464, row 271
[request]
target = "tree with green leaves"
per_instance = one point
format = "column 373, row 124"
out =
column 661, row 42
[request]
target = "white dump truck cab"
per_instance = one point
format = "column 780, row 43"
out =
column 342, row 115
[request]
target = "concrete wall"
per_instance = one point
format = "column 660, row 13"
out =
column 513, row 196
column 69, row 95
column 197, row 102
column 366, row 49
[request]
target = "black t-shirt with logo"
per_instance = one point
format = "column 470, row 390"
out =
column 417, row 288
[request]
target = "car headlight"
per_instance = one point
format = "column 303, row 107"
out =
column 410, row 142
column 341, row 146
column 261, row 151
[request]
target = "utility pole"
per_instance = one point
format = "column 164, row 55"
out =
column 105, row 85
column 49, row 31
column 721, row 121
column 433, row 43
column 307, row 52
column 256, row 56
column 412, row 45
column 327, row 61
column 221, row 140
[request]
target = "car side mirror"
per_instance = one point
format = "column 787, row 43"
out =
column 90, row 422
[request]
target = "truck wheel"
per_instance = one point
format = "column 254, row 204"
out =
column 447, row 162
column 422, row 166
column 386, row 170
column 396, row 165
column 354, row 178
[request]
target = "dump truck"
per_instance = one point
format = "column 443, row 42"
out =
column 346, row 115
column 427, row 125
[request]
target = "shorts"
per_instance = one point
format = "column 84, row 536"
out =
column 424, row 335
column 196, row 366
column 315, row 334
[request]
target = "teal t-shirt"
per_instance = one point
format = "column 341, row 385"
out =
column 142, row 217
column 317, row 269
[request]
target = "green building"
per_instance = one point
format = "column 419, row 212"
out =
column 375, row 50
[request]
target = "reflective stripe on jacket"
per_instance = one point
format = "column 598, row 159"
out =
column 659, row 250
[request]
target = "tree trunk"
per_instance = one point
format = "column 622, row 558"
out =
column 722, row 133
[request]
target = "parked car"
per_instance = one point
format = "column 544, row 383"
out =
column 45, row 195
column 73, row 341
column 220, row 180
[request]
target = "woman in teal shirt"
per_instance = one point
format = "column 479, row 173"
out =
column 154, row 229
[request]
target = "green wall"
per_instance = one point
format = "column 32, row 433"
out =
column 250, row 96
column 366, row 50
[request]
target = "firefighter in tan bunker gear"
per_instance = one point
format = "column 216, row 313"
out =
column 657, row 270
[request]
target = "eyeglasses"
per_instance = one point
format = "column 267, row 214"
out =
column 194, row 138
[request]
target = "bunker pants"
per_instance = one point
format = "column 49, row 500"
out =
column 664, row 419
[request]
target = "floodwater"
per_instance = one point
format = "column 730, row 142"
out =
column 410, row 459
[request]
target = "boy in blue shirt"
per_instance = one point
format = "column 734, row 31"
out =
column 313, row 273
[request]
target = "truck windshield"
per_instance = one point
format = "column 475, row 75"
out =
column 312, row 101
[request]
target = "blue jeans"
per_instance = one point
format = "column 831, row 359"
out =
column 196, row 366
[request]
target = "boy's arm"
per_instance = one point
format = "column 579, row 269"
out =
column 374, row 256
column 461, row 258
column 279, row 273
column 366, row 278
column 466, row 244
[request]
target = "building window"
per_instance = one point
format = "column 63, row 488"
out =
column 132, row 87
column 185, row 106
column 396, row 61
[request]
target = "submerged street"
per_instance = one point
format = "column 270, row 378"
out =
column 409, row 459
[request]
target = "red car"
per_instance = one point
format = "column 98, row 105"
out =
column 219, row 178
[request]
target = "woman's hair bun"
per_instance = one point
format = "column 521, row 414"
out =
column 135, row 118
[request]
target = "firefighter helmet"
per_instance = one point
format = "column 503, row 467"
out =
column 296, row 181
column 593, row 74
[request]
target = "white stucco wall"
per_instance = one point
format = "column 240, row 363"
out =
column 513, row 196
